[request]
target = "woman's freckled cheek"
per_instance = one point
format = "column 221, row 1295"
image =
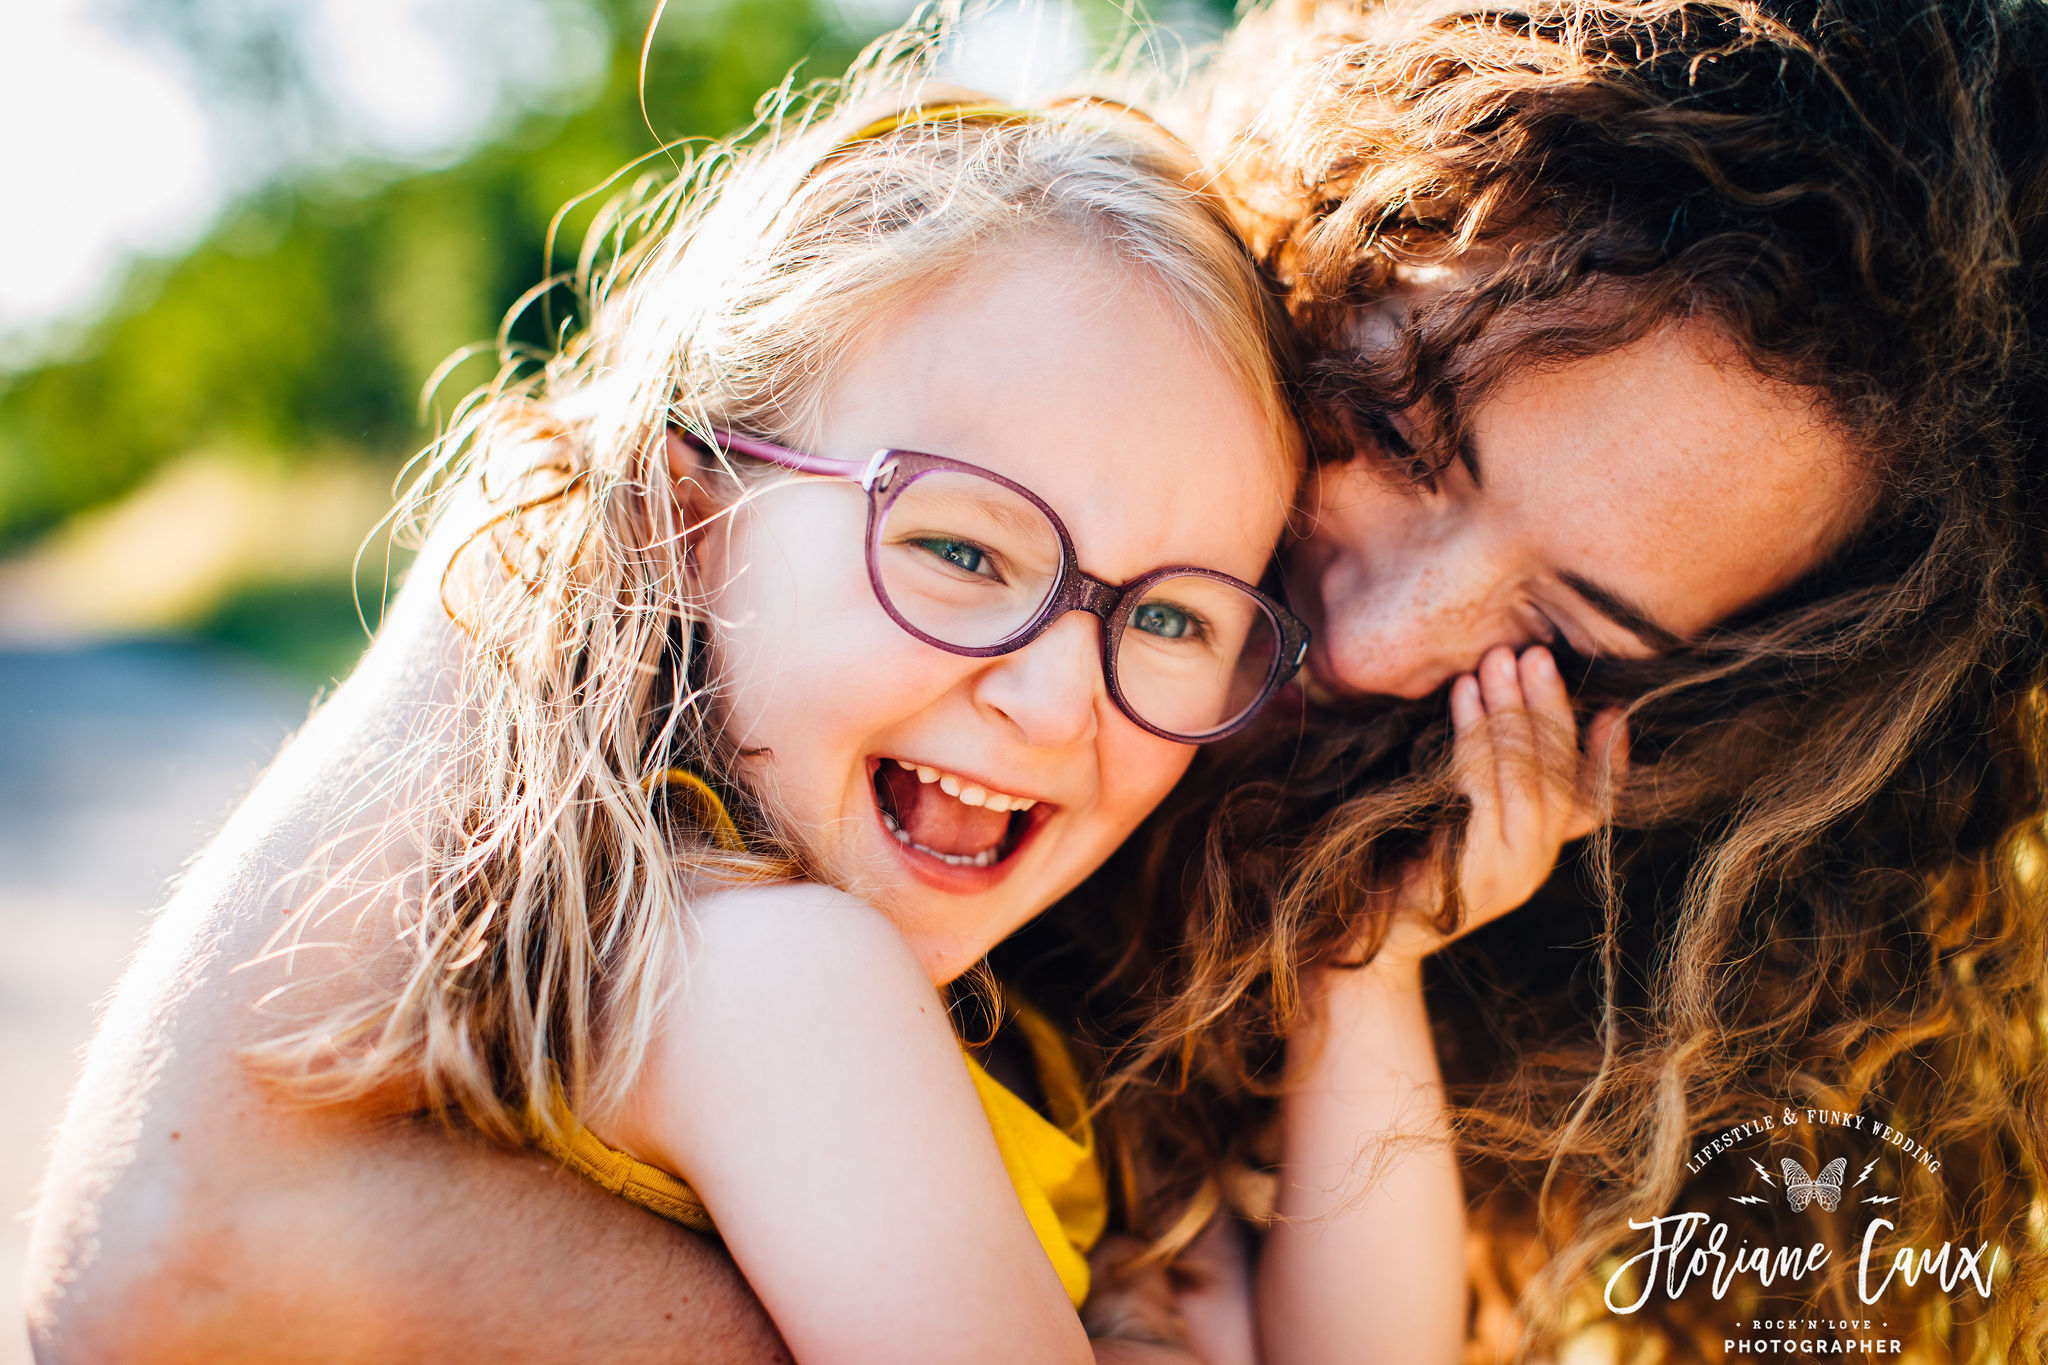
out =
column 1423, row 597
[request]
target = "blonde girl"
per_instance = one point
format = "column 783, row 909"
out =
column 840, row 596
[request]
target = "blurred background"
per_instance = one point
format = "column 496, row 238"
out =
column 240, row 236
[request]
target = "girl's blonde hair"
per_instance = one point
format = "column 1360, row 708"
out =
column 546, row 911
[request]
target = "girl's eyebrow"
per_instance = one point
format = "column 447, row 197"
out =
column 1623, row 613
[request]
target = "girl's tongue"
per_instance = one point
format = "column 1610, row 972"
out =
column 935, row 820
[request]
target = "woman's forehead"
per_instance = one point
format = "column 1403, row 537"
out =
column 1669, row 465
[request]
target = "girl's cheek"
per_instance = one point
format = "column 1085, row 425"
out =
column 1137, row 774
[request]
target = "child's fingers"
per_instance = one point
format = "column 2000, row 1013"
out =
column 1466, row 708
column 1507, row 730
column 1603, row 770
column 1554, row 737
column 1543, row 686
column 1475, row 747
column 1514, row 690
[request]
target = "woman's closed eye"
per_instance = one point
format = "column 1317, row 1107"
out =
column 1398, row 452
column 1542, row 628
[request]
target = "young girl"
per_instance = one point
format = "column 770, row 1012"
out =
column 840, row 598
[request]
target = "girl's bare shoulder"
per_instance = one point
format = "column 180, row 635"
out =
column 798, row 938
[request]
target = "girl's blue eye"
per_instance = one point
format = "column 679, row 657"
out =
column 1167, row 622
column 961, row 554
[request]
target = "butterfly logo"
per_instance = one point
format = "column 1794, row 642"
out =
column 1825, row 1190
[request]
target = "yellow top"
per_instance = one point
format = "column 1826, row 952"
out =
column 1051, row 1162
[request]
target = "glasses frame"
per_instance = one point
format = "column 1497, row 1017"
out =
column 889, row 472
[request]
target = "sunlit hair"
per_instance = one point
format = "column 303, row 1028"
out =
column 1825, row 886
column 546, row 916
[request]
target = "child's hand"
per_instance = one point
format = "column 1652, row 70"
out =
column 1532, row 791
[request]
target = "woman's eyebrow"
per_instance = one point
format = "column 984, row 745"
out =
column 1623, row 613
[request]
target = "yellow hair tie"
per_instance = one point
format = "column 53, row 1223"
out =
column 940, row 113
column 709, row 810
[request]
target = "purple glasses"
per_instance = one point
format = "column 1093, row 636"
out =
column 974, row 564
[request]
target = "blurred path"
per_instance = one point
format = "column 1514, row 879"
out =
column 117, row 762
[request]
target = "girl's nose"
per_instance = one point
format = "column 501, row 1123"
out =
column 1050, row 689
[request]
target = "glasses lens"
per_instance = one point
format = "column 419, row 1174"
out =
column 965, row 560
column 1196, row 654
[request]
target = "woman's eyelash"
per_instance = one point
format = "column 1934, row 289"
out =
column 1416, row 467
column 1388, row 436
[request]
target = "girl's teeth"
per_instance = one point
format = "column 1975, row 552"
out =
column 981, row 859
column 985, row 858
column 967, row 793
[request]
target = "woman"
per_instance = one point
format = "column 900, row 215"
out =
column 1822, row 893
column 305, row 1241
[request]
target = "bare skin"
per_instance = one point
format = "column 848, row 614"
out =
column 190, row 1216
column 1619, row 505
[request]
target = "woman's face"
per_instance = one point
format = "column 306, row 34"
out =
column 1072, row 378
column 1620, row 504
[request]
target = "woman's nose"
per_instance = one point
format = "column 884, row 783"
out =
column 1052, row 688
column 1406, row 617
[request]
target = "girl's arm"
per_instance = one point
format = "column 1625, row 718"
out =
column 808, row 1083
column 1367, row 1261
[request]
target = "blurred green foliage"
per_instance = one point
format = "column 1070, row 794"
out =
column 309, row 631
column 305, row 324
column 308, row 319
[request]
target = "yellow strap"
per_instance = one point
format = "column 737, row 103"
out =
column 708, row 808
column 637, row 1182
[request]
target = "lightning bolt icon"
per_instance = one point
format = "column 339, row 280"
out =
column 1866, row 1172
column 1747, row 1199
column 1766, row 1174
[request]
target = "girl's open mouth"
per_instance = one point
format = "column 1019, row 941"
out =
column 952, row 820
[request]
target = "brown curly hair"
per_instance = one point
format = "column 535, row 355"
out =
column 1824, row 886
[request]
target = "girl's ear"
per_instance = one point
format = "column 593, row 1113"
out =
column 693, row 479
column 690, row 475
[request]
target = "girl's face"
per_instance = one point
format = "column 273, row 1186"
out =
column 1063, row 372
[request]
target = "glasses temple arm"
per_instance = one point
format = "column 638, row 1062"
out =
column 802, row 461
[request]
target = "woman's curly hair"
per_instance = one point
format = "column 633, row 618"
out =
column 1826, row 882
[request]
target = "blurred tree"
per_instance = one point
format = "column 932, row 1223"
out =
column 308, row 319
column 298, row 334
